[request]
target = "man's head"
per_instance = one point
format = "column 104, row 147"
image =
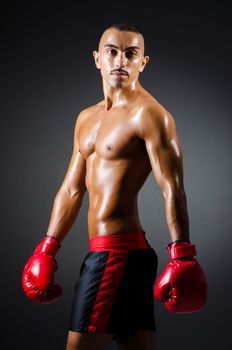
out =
column 120, row 55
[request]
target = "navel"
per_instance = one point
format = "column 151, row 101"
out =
column 108, row 147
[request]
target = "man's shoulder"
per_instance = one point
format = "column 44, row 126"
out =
column 152, row 108
column 88, row 111
column 153, row 116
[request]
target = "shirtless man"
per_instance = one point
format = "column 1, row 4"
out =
column 117, row 143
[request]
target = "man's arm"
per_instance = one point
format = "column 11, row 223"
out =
column 69, row 198
column 158, row 129
column 38, row 274
column 182, row 285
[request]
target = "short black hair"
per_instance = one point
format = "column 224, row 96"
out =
column 125, row 27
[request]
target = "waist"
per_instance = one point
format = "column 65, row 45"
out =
column 121, row 241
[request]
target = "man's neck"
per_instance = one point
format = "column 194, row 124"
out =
column 119, row 96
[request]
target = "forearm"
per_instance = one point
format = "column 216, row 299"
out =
column 65, row 210
column 177, row 215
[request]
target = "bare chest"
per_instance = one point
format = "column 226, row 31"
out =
column 111, row 137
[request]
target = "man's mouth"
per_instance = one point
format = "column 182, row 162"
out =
column 119, row 72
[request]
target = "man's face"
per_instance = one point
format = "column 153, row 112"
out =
column 120, row 57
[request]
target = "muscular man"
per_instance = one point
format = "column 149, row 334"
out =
column 117, row 143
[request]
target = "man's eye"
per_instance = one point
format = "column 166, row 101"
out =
column 113, row 52
column 130, row 54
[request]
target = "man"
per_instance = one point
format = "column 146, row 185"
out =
column 117, row 143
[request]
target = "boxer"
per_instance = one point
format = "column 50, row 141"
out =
column 118, row 142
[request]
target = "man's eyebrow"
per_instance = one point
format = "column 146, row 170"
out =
column 128, row 48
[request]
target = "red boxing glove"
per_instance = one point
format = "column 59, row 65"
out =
column 182, row 286
column 38, row 274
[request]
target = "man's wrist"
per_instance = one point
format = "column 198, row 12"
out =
column 56, row 239
column 178, row 240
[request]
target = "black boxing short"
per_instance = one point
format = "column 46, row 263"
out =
column 114, row 291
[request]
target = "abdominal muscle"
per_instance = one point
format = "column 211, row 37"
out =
column 113, row 187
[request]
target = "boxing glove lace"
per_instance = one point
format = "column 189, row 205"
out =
column 38, row 274
column 182, row 286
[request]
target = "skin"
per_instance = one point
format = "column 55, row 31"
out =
column 117, row 143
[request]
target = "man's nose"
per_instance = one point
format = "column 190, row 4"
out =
column 121, row 60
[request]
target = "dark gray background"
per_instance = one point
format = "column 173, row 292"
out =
column 47, row 77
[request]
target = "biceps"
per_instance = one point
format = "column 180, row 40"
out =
column 75, row 176
column 167, row 164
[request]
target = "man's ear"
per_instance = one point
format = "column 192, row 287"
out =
column 97, row 59
column 145, row 60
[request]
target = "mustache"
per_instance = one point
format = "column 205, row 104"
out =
column 120, row 70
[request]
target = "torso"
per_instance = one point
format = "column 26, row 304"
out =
column 117, row 165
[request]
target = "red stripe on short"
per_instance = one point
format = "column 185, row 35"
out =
column 107, row 290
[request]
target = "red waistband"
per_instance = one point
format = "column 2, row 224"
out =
column 120, row 241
